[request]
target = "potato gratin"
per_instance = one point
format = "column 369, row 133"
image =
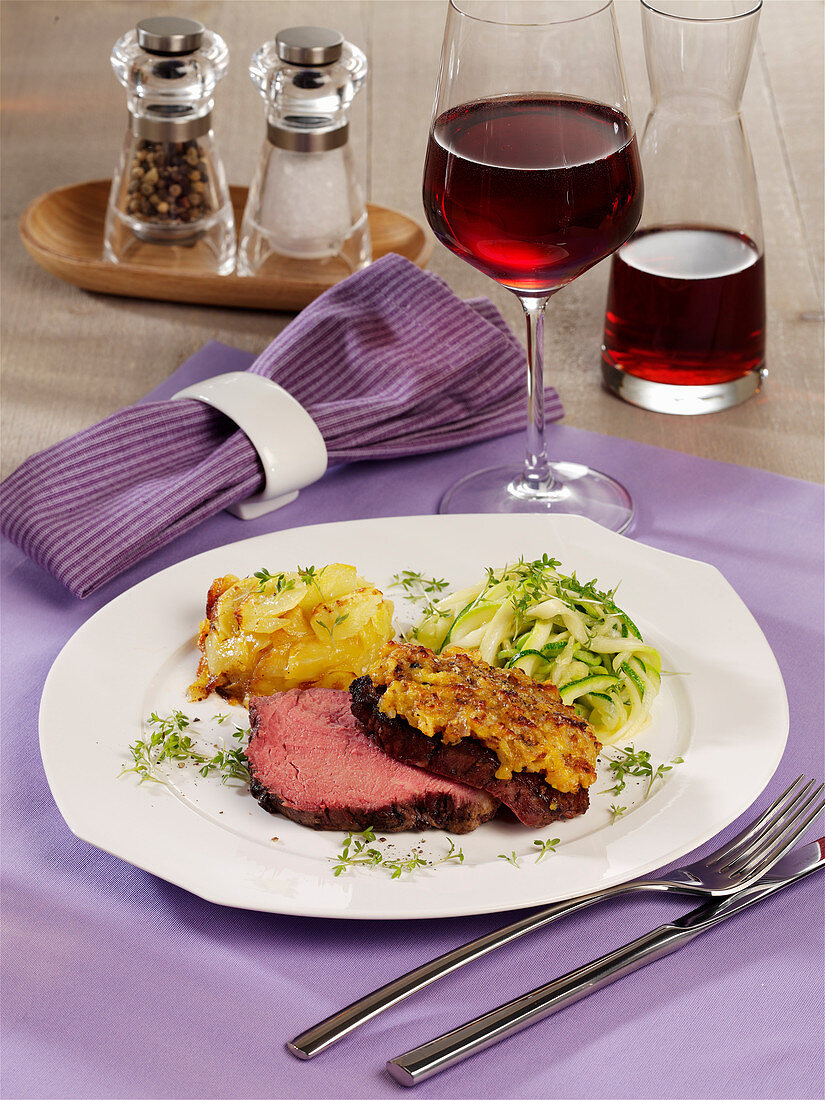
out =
column 272, row 632
column 455, row 694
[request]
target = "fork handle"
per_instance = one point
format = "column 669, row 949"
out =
column 335, row 1027
column 454, row 1046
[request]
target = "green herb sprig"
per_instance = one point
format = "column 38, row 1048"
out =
column 419, row 588
column 281, row 582
column 636, row 763
column 358, row 850
column 310, row 575
column 340, row 618
column 545, row 846
column 512, row 858
column 169, row 742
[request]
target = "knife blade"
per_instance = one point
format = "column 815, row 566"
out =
column 430, row 1058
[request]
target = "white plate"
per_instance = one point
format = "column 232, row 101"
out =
column 723, row 709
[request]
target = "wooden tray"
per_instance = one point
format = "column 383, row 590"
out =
column 63, row 231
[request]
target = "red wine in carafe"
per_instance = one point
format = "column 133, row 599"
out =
column 532, row 190
column 686, row 306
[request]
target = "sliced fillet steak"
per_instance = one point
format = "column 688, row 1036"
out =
column 530, row 798
column 312, row 762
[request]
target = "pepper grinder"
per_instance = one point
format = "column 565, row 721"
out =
column 169, row 204
column 305, row 209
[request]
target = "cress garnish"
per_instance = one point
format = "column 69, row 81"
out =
column 168, row 742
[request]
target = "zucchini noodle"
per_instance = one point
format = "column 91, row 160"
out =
column 553, row 627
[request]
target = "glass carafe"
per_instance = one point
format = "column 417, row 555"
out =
column 685, row 318
column 169, row 204
column 305, row 211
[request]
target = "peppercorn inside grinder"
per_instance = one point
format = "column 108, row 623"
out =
column 169, row 204
column 305, row 211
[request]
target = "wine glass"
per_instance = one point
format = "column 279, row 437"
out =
column 532, row 176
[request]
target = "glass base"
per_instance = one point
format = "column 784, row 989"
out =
column 262, row 253
column 572, row 489
column 682, row 400
column 205, row 247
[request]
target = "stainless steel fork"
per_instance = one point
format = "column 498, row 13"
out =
column 734, row 866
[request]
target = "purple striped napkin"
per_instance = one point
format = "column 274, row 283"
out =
column 388, row 363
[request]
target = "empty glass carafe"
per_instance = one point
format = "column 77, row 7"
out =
column 685, row 320
column 169, row 204
column 305, row 211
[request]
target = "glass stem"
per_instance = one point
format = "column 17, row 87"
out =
column 537, row 474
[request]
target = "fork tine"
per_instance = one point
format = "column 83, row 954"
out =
column 773, row 819
column 779, row 849
column 774, row 830
column 756, row 826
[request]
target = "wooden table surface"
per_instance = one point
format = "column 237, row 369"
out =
column 70, row 357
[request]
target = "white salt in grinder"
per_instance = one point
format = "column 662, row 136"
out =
column 305, row 212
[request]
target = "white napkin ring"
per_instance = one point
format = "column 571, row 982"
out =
column 287, row 439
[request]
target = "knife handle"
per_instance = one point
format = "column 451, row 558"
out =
column 430, row 1058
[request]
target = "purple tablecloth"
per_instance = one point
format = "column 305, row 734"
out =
column 117, row 984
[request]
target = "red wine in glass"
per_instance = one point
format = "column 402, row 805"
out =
column 532, row 176
column 686, row 306
column 532, row 190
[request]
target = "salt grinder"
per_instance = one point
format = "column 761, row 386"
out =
column 306, row 208
column 169, row 204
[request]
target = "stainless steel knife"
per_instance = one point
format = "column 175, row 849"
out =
column 432, row 1057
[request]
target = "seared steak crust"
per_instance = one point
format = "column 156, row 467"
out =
column 430, row 811
column 531, row 799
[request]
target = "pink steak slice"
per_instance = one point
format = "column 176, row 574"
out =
column 311, row 761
